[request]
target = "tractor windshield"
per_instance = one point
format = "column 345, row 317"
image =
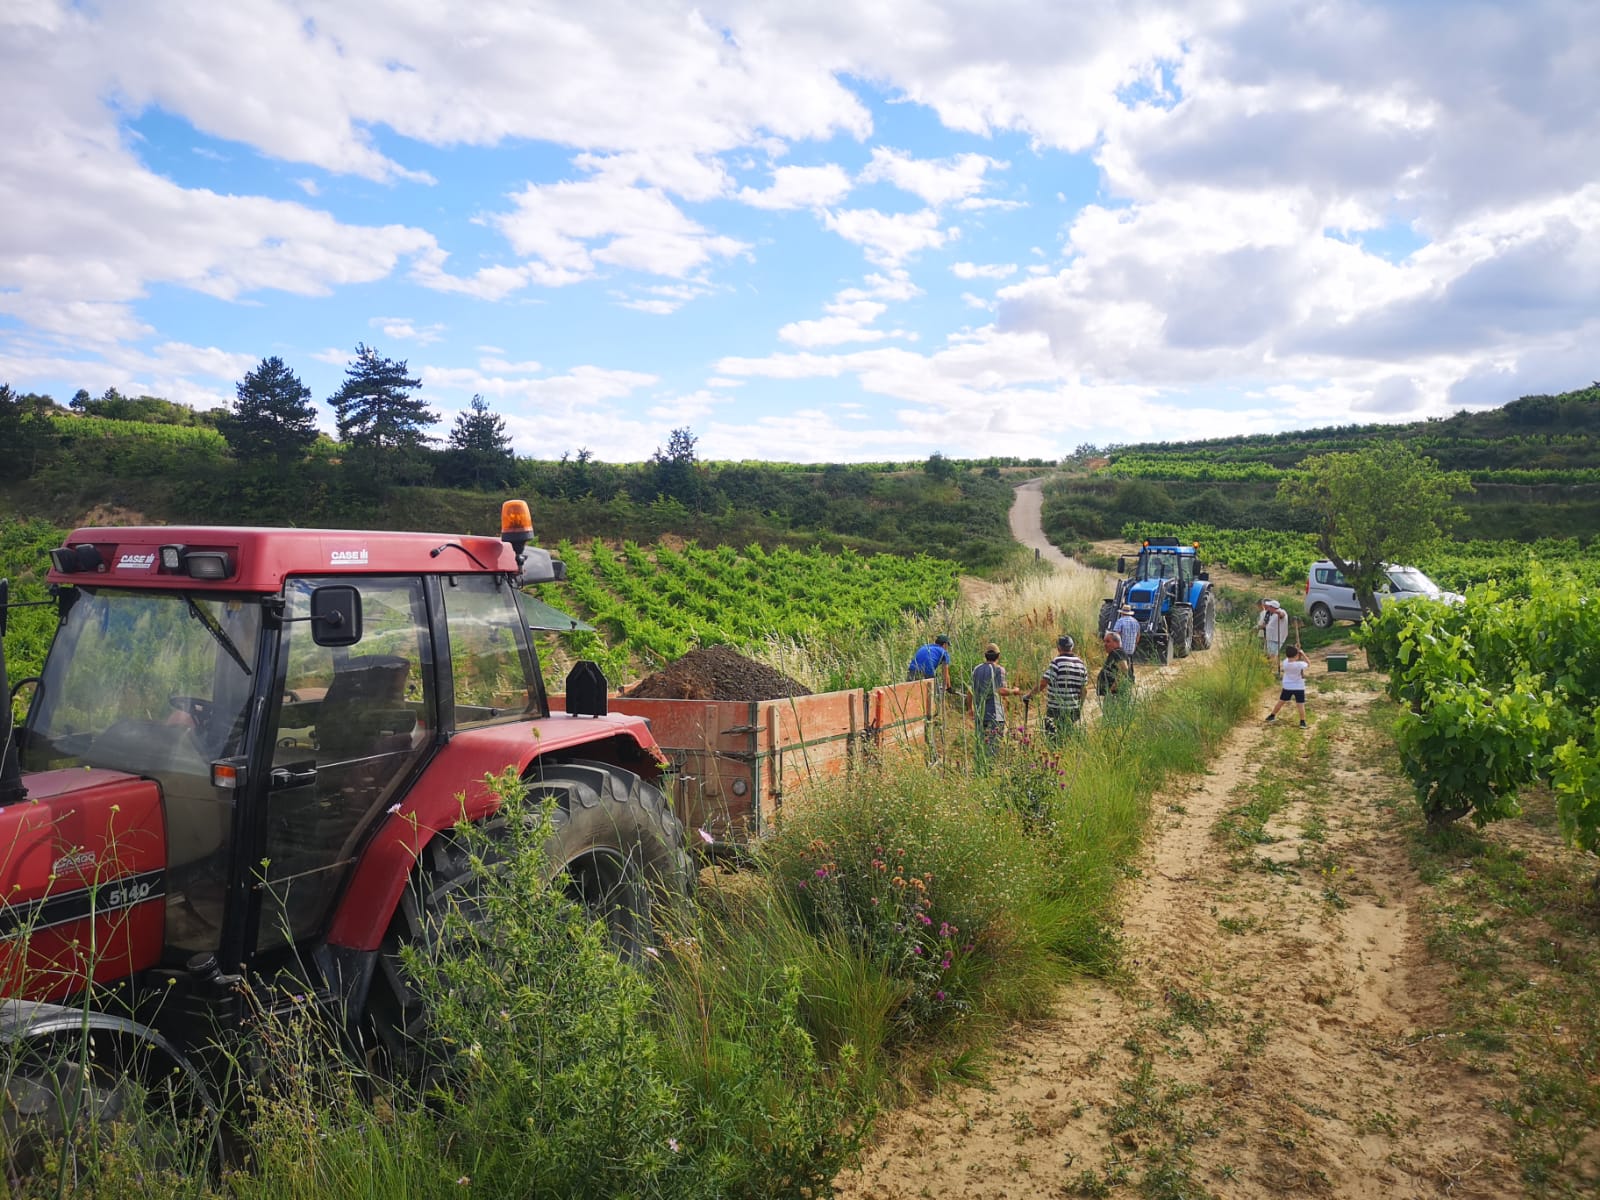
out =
column 1156, row 564
column 137, row 676
column 157, row 684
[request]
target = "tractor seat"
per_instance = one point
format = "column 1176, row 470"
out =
column 365, row 712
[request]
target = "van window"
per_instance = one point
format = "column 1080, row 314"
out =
column 1331, row 577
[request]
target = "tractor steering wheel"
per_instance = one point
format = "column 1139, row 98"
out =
column 200, row 710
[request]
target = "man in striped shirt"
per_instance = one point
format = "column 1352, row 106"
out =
column 1065, row 680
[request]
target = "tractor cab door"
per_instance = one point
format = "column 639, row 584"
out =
column 351, row 726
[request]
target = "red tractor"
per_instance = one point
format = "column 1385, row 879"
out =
column 243, row 761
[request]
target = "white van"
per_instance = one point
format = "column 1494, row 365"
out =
column 1329, row 598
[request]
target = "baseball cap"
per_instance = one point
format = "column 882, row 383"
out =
column 942, row 639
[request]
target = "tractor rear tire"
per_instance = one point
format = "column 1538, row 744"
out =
column 1108, row 614
column 1180, row 629
column 614, row 841
column 1205, row 622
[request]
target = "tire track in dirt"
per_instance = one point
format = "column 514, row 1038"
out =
column 1273, row 1034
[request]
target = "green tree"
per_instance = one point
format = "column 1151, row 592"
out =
column 25, row 431
column 674, row 472
column 272, row 416
column 379, row 418
column 480, row 448
column 1382, row 504
column 939, row 467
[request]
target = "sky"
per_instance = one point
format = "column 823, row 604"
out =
column 814, row 231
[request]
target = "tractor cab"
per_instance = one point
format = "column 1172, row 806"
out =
column 1170, row 595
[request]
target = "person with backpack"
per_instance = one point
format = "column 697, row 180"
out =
column 989, row 690
column 1064, row 682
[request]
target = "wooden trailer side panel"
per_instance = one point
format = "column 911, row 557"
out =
column 736, row 762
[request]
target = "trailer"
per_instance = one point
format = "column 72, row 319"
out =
column 735, row 763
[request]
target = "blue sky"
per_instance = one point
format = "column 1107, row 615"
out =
column 820, row 232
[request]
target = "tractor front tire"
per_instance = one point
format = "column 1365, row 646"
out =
column 1108, row 614
column 616, row 847
column 1180, row 628
column 1205, row 622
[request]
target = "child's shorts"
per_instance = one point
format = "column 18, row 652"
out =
column 1297, row 697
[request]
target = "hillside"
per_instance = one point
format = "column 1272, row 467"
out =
column 1534, row 466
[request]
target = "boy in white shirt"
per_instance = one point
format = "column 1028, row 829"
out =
column 1293, row 671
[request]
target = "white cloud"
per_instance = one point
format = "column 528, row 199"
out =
column 935, row 181
column 403, row 329
column 967, row 270
column 579, row 227
column 800, row 187
column 888, row 239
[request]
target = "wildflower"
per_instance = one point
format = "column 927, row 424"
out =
column 945, row 965
column 874, row 902
column 822, row 872
column 938, row 995
column 925, row 918
column 464, row 1181
column 802, row 885
column 391, row 810
column 706, row 837
column 672, row 1144
column 944, row 929
column 653, row 952
column 916, row 949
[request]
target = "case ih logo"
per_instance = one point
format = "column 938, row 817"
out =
column 348, row 558
column 136, row 562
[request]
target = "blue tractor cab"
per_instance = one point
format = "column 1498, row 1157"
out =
column 1171, row 597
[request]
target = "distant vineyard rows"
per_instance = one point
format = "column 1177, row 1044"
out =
column 24, row 547
column 658, row 603
column 1284, row 556
column 1204, row 468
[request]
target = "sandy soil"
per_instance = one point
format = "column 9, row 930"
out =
column 1272, row 1033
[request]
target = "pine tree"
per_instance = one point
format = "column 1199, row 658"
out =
column 480, row 447
column 375, row 406
column 377, row 413
column 272, row 416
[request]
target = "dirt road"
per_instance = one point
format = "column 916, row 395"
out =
column 1025, row 526
column 1273, row 1033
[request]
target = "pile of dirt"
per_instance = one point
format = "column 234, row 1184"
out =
column 717, row 673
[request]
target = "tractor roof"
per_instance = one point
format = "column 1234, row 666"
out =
column 259, row 559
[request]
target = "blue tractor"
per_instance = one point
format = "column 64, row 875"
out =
column 1171, row 597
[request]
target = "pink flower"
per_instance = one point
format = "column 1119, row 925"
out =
column 938, row 995
column 706, row 837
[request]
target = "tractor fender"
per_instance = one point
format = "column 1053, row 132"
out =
column 28, row 1021
column 452, row 789
column 1197, row 589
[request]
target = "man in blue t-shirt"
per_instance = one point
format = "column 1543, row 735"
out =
column 932, row 661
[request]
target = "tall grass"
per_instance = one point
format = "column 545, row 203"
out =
column 897, row 924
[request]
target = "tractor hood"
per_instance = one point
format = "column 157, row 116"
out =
column 1142, row 595
column 82, row 873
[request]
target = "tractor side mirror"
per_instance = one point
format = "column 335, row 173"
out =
column 1122, row 566
column 1204, row 575
column 539, row 566
column 336, row 615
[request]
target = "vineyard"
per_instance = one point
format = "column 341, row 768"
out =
column 1497, row 694
column 24, row 550
column 1284, row 556
column 1211, row 468
column 654, row 605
